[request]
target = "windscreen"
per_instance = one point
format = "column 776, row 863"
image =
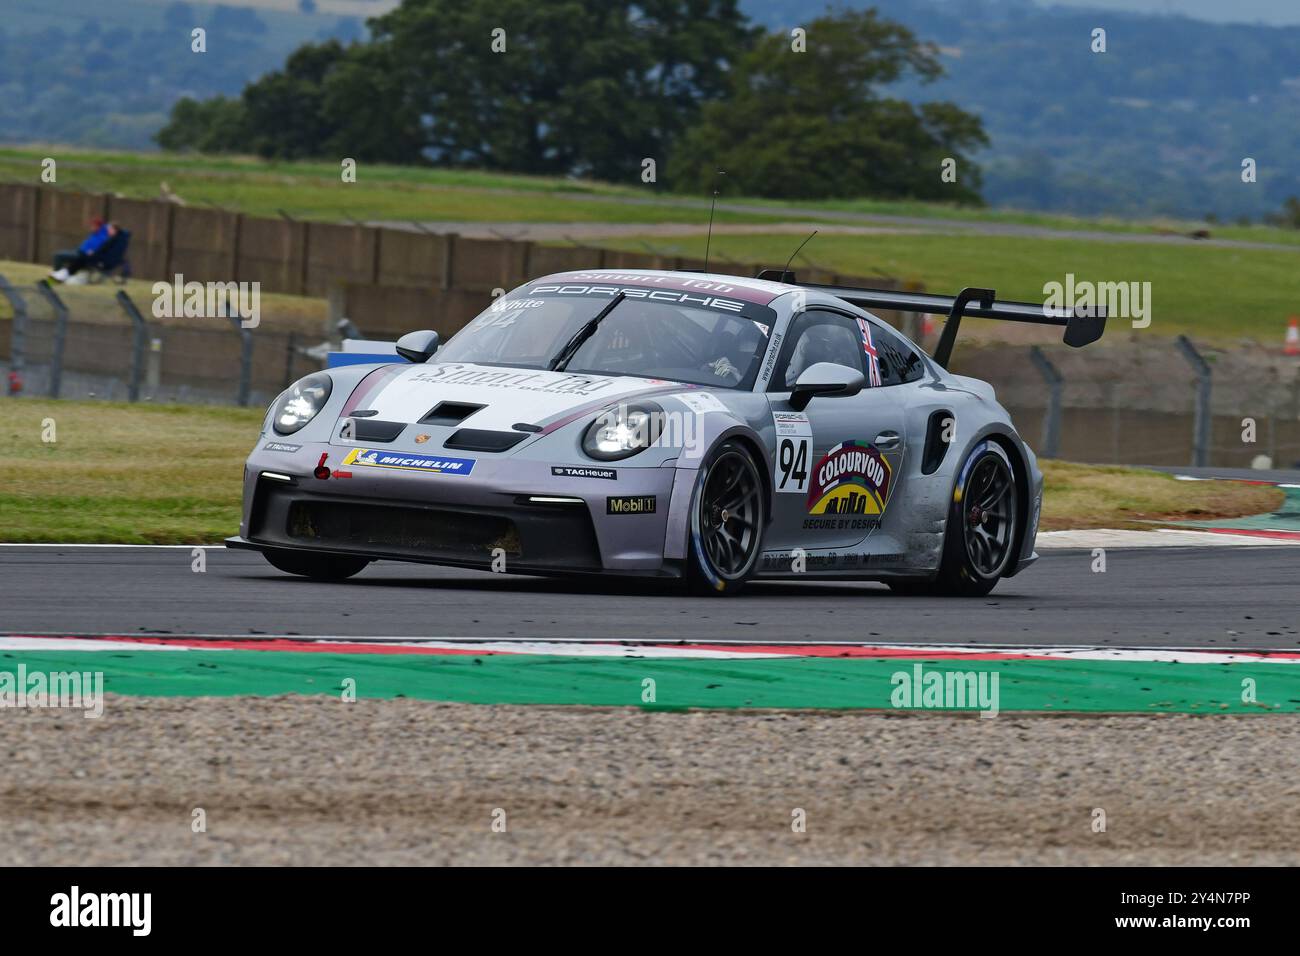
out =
column 696, row 338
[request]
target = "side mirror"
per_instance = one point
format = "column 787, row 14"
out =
column 418, row 346
column 825, row 378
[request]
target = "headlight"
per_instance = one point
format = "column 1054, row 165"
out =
column 300, row 403
column 623, row 431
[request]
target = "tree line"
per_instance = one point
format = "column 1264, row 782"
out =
column 594, row 88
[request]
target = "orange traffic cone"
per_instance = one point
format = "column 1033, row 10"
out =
column 1292, row 346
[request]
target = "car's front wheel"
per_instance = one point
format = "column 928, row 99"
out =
column 727, row 520
column 320, row 567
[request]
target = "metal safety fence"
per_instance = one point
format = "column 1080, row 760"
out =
column 118, row 352
column 1156, row 401
column 1160, row 402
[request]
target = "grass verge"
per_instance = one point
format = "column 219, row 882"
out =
column 1252, row 288
column 170, row 474
column 313, row 189
column 97, row 304
column 131, row 474
column 1100, row 496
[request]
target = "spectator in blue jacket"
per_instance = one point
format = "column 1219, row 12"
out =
column 69, row 262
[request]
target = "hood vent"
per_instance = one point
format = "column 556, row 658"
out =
column 367, row 430
column 450, row 413
column 479, row 439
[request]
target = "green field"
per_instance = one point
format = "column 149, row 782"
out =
column 312, row 190
column 171, row 474
column 1216, row 293
column 1054, row 221
column 1212, row 293
column 135, row 474
column 315, row 190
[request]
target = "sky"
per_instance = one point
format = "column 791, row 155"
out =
column 1277, row 12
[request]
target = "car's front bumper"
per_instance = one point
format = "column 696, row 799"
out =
column 508, row 514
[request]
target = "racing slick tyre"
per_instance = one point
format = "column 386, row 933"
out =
column 320, row 567
column 727, row 521
column 981, row 530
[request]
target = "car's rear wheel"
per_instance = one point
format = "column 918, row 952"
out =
column 983, row 521
column 321, row 567
column 727, row 519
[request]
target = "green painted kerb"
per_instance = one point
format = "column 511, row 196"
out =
column 834, row 683
column 1286, row 518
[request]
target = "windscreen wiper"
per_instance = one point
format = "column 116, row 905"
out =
column 587, row 331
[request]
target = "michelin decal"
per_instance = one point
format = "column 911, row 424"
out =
column 402, row 461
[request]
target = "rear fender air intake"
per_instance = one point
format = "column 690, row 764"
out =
column 935, row 445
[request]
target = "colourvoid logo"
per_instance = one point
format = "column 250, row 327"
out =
column 77, row 909
column 208, row 300
column 38, row 690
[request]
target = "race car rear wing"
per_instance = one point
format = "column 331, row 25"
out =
column 1080, row 328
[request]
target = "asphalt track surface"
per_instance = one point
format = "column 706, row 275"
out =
column 1227, row 597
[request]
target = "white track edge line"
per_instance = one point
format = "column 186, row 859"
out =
column 667, row 642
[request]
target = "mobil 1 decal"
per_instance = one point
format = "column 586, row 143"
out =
column 850, row 484
column 793, row 451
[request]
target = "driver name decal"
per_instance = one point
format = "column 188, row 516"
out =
column 553, row 383
column 639, row 283
column 852, row 479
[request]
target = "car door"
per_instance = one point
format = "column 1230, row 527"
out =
column 837, row 460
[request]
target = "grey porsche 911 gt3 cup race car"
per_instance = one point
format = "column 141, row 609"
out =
column 666, row 424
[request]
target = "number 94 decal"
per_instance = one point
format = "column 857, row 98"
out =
column 793, row 451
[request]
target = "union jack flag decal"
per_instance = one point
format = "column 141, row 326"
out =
column 873, row 362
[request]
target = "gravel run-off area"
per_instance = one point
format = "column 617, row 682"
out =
column 315, row 780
